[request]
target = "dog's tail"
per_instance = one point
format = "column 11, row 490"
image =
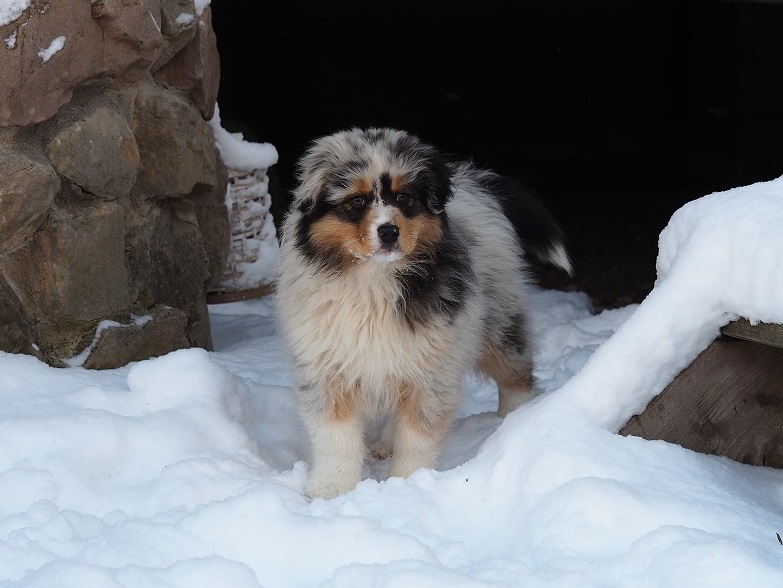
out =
column 538, row 230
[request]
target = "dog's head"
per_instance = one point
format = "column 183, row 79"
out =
column 374, row 195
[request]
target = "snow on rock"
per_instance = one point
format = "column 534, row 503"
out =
column 56, row 45
column 201, row 5
column 10, row 10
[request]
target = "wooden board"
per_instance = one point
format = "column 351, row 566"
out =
column 767, row 333
column 729, row 401
column 225, row 297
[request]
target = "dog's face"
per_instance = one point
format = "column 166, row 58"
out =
column 372, row 196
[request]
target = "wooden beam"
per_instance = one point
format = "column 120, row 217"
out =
column 729, row 401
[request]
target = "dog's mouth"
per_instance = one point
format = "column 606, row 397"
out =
column 386, row 254
column 383, row 254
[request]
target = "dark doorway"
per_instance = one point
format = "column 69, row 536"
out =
column 617, row 113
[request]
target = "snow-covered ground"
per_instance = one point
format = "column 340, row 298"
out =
column 187, row 470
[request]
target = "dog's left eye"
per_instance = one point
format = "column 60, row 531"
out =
column 402, row 197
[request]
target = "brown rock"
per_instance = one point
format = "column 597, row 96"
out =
column 131, row 35
column 153, row 335
column 17, row 334
column 177, row 146
column 97, row 152
column 73, row 268
column 114, row 39
column 68, row 276
column 27, row 190
column 32, row 88
column 168, row 264
column 178, row 23
column 196, row 68
column 127, row 216
column 213, row 221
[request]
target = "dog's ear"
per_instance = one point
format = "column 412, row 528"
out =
column 305, row 200
column 437, row 183
column 306, row 203
column 312, row 176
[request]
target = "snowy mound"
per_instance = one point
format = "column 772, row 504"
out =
column 187, row 470
column 718, row 258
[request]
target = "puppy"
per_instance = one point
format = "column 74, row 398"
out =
column 400, row 272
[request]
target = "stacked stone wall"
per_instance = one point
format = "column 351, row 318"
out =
column 113, row 221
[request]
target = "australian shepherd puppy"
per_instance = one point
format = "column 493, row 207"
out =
column 400, row 272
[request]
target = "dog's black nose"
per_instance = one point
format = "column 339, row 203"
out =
column 388, row 234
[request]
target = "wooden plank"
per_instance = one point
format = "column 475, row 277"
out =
column 240, row 295
column 729, row 401
column 767, row 333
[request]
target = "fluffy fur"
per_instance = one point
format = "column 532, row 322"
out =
column 399, row 273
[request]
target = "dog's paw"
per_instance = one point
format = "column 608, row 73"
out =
column 381, row 450
column 511, row 400
column 328, row 487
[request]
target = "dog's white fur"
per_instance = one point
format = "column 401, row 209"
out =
column 358, row 355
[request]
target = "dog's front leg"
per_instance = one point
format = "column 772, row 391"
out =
column 337, row 439
column 421, row 422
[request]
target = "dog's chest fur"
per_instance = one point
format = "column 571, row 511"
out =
column 356, row 331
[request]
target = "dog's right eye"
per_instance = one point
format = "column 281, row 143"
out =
column 357, row 201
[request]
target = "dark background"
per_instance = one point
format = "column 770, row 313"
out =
column 617, row 113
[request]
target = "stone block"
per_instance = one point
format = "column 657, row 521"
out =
column 168, row 264
column 58, row 46
column 177, row 146
column 73, row 268
column 97, row 152
column 195, row 69
column 27, row 190
column 153, row 335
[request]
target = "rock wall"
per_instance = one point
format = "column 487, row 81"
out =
column 113, row 220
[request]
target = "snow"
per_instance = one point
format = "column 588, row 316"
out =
column 10, row 40
column 10, row 10
column 254, row 254
column 236, row 152
column 201, row 5
column 56, row 45
column 79, row 359
column 187, row 470
column 184, row 18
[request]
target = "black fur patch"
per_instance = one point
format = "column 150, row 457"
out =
column 534, row 224
column 326, row 259
column 513, row 334
column 346, row 172
column 435, row 181
column 437, row 284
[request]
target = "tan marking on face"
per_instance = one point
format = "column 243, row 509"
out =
column 362, row 185
column 420, row 232
column 397, row 183
column 344, row 238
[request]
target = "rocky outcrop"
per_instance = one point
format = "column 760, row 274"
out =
column 28, row 187
column 113, row 222
column 52, row 48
